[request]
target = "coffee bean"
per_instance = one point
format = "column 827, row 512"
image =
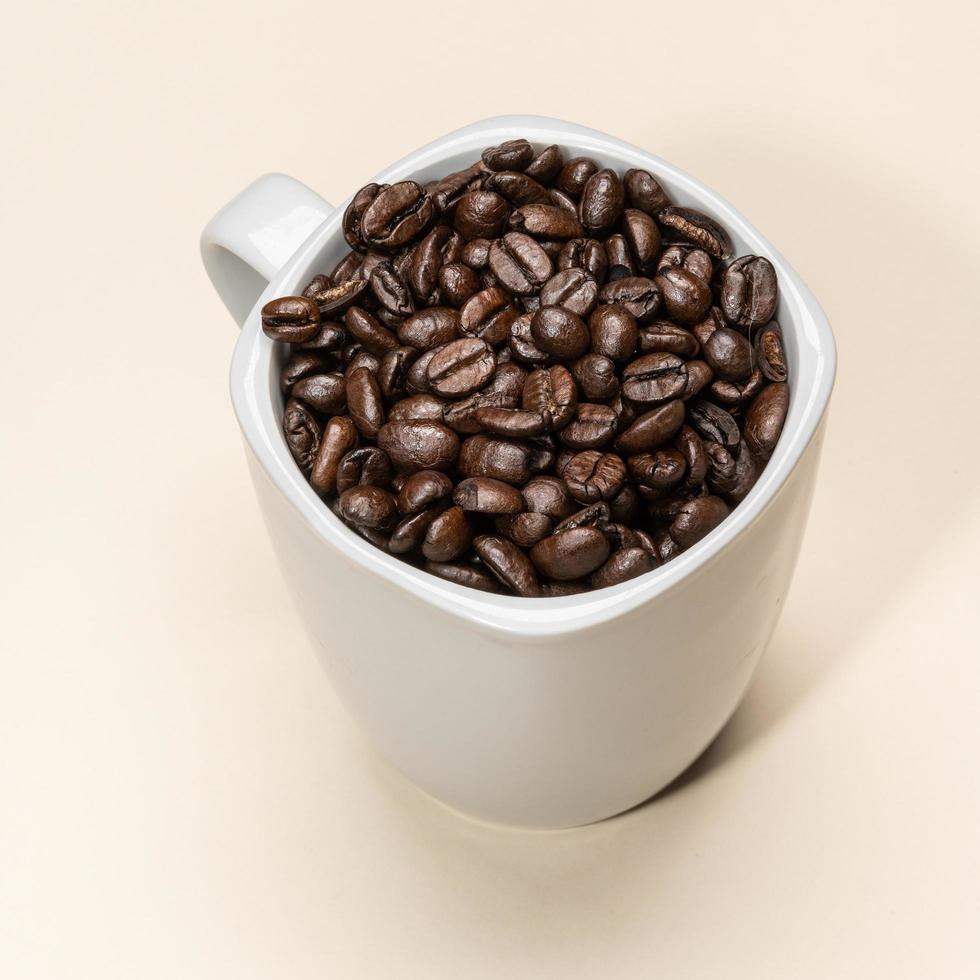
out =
column 511, row 422
column 559, row 332
column 601, row 203
column 518, row 188
column 623, row 565
column 571, row 553
column 512, row 155
column 614, row 332
column 396, row 215
column 439, row 247
column 429, row 328
column 291, row 319
column 354, row 212
column 592, row 516
column 749, row 292
column 526, row 529
column 765, row 418
column 619, row 258
column 409, row 533
column 652, row 429
column 643, row 237
column 484, row 495
column 499, row 459
column 664, row 337
column 345, row 269
column 302, row 433
column 546, row 165
column 447, row 191
column 481, row 214
column 422, row 489
column 545, row 221
column 367, row 466
column 550, row 393
column 654, row 378
column 659, row 471
column 522, row 345
column 689, row 444
column 457, row 283
column 769, row 352
column 520, row 263
column 448, row 536
column 369, row 333
column 587, row 254
column 697, row 227
column 596, row 377
column 461, row 367
column 463, row 573
column 644, row 192
column 489, row 315
column 324, row 393
column 508, row 563
column 733, row 394
column 575, row 174
column 699, row 375
column 574, row 289
column 417, row 407
column 591, row 427
column 640, row 296
column 361, row 359
column 390, row 291
column 696, row 519
column 686, row 297
column 419, row 444
column 591, row 476
column 714, row 424
column 368, row 506
column 476, row 253
column 339, row 438
column 365, row 403
column 729, row 354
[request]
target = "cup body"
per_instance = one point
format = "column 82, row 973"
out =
column 551, row 712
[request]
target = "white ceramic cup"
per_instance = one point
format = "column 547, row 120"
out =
column 538, row 712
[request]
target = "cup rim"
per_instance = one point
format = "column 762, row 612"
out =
column 514, row 616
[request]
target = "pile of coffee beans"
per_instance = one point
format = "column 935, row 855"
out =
column 534, row 375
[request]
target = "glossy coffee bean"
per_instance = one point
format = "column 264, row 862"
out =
column 291, row 319
column 686, row 297
column 570, row 554
column 765, row 419
column 499, row 459
column 396, row 215
column 587, row 254
column 365, row 403
column 422, row 489
column 429, row 328
column 525, row 529
column 642, row 235
column 622, row 565
column 546, row 166
column 483, row 495
column 302, row 432
column 613, row 331
column 619, row 258
column 463, row 573
column 697, row 227
column 713, row 423
column 368, row 332
column 339, row 438
column 573, row 289
column 354, row 212
column 545, row 221
column 652, row 429
column 697, row 518
column 368, row 506
column 601, row 203
column 769, row 352
column 640, row 296
column 390, row 290
column 559, row 332
column 522, row 345
column 592, row 475
column 481, row 214
column 419, row 444
column 461, row 367
column 488, row 314
column 596, row 377
column 512, row 422
column 520, row 263
column 448, row 536
column 654, row 378
column 551, row 393
column 643, row 191
column 591, row 426
column 728, row 354
column 661, row 336
column 518, row 188
column 457, row 283
column 575, row 174
column 749, row 293
column 367, row 466
column 324, row 393
column 508, row 563
column 515, row 154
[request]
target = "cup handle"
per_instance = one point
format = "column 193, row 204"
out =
column 250, row 239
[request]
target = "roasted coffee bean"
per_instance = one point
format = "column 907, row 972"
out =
column 697, row 227
column 339, row 438
column 365, row 402
column 686, row 297
column 571, row 553
column 574, row 289
column 770, row 353
column 728, row 354
column 660, row 470
column 302, row 432
column 372, row 336
column 520, row 263
column 461, row 367
column 483, row 495
column 643, row 237
column 518, row 188
column 622, row 565
column 419, row 444
column 749, row 292
column 481, row 214
column 601, row 204
column 508, row 563
column 390, row 291
column 575, row 174
column 546, row 165
column 592, row 426
column 668, row 338
column 619, row 258
column 512, row 155
column 291, row 319
column 423, row 489
column 324, row 393
column 614, row 332
column 545, row 221
column 696, row 519
column 714, row 424
column 765, row 418
column 591, row 476
column 596, row 377
column 550, row 392
column 396, row 215
column 637, row 294
column 489, row 315
column 300, row 366
column 463, row 573
column 457, row 283
column 525, row 529
column 364, row 467
column 559, row 332
column 522, row 337
column 587, row 254
column 644, row 192
column 429, row 328
column 368, row 506
column 654, row 378
column 652, row 429
column 499, row 459
column 448, row 536
column 512, row 422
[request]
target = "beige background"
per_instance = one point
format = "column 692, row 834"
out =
column 180, row 793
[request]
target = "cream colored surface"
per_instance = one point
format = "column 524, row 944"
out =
column 180, row 794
